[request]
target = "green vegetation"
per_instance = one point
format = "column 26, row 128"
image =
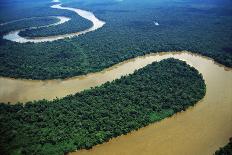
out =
column 19, row 9
column 38, row 14
column 226, row 150
column 76, row 24
column 28, row 22
column 129, row 32
column 94, row 116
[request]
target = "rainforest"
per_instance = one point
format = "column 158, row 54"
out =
column 94, row 116
column 115, row 77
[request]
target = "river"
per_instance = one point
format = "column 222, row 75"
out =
column 15, row 37
column 199, row 130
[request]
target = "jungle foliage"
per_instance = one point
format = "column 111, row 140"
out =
column 26, row 23
column 226, row 150
column 204, row 28
column 76, row 24
column 94, row 116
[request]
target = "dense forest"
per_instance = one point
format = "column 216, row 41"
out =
column 26, row 23
column 129, row 32
column 76, row 24
column 94, row 116
column 18, row 9
column 38, row 13
column 226, row 150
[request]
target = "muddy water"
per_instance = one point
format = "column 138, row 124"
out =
column 200, row 130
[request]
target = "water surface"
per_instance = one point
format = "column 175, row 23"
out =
column 15, row 37
column 200, row 130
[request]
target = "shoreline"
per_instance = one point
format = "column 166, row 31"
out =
column 15, row 37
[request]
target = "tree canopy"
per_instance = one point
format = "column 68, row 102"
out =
column 129, row 32
column 226, row 150
column 94, row 116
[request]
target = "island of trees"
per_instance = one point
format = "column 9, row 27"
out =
column 94, row 116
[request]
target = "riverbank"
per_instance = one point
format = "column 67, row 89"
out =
column 15, row 37
column 207, row 126
column 94, row 116
column 51, row 89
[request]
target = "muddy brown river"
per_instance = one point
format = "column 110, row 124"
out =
column 200, row 130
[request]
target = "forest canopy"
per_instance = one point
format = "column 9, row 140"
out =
column 226, row 150
column 94, row 116
column 199, row 26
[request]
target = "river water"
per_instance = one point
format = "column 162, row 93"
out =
column 15, row 37
column 199, row 130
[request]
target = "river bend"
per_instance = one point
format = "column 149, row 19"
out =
column 15, row 37
column 199, row 130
